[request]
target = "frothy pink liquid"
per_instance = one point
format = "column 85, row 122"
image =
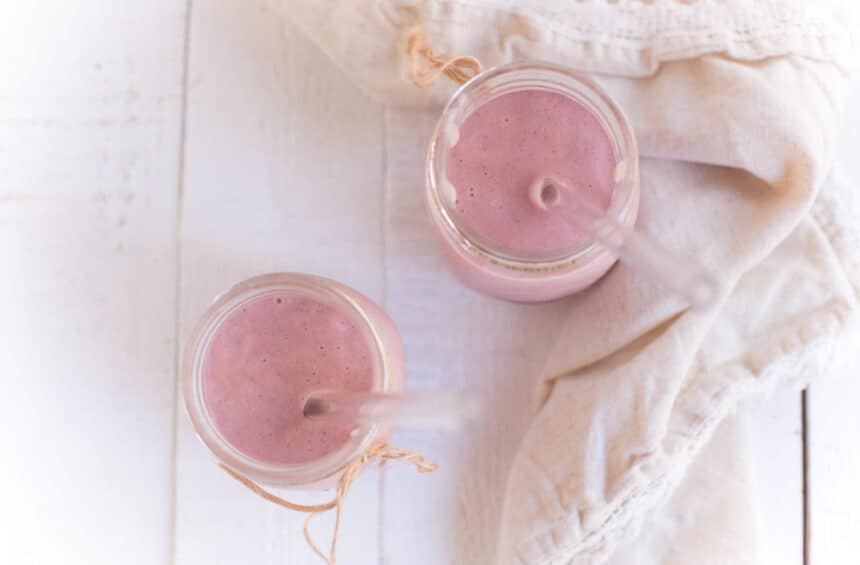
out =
column 262, row 363
column 510, row 142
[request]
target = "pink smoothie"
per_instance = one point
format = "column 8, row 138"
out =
column 264, row 360
column 508, row 143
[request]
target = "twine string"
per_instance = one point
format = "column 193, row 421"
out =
column 423, row 73
column 378, row 452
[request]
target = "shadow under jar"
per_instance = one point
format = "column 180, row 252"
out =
column 261, row 349
column 503, row 131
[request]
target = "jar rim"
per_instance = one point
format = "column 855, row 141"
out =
column 240, row 294
column 551, row 77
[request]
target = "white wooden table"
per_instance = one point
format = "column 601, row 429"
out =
column 149, row 158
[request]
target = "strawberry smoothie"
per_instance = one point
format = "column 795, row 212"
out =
column 262, row 363
column 508, row 143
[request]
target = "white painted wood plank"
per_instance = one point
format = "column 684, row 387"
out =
column 495, row 347
column 833, row 421
column 776, row 450
column 834, row 468
column 834, row 465
column 89, row 146
column 284, row 172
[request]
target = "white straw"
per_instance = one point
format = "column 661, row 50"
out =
column 680, row 274
column 419, row 410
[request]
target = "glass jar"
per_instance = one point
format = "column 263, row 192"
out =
column 386, row 357
column 522, row 276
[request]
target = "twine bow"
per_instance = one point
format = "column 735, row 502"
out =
column 379, row 452
column 459, row 68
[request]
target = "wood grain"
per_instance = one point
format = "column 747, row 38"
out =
column 89, row 145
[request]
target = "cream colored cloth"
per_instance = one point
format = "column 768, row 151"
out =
column 736, row 109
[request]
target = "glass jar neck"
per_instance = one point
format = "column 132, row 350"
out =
column 511, row 78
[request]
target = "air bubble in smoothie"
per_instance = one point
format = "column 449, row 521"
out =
column 262, row 363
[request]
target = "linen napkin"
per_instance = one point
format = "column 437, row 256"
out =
column 735, row 106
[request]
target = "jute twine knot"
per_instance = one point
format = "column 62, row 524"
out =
column 378, row 452
column 459, row 68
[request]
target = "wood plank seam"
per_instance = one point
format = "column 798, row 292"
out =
column 804, row 451
column 386, row 203
column 177, row 297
